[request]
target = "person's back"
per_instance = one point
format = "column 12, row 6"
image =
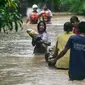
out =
column 77, row 58
column 62, row 40
column 77, row 54
column 64, row 61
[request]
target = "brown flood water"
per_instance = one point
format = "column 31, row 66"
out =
column 18, row 64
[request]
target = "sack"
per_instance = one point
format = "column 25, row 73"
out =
column 32, row 33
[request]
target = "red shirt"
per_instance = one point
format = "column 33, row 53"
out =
column 75, row 30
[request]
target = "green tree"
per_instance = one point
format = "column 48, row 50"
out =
column 76, row 6
column 10, row 17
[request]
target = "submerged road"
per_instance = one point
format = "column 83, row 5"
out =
column 18, row 64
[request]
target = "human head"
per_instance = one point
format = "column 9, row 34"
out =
column 67, row 27
column 34, row 7
column 45, row 7
column 81, row 27
column 41, row 27
column 74, row 20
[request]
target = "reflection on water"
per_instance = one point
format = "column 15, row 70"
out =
column 18, row 65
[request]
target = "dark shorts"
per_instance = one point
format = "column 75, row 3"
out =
column 76, row 77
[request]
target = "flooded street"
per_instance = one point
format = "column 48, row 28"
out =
column 18, row 64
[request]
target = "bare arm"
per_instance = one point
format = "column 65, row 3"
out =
column 56, row 50
column 62, row 53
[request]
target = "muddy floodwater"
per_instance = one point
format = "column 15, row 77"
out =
column 18, row 64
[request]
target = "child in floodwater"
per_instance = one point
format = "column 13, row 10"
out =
column 41, row 42
column 76, row 44
column 74, row 20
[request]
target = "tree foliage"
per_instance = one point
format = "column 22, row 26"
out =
column 76, row 6
column 10, row 17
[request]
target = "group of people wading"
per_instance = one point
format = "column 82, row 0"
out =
column 69, row 52
column 70, row 49
column 37, row 15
